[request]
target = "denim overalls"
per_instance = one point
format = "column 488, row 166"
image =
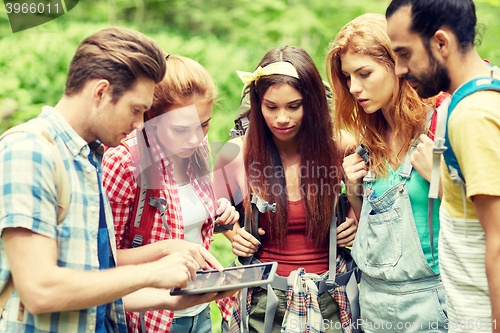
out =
column 399, row 292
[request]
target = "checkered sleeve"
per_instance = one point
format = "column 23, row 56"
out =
column 28, row 196
column 120, row 187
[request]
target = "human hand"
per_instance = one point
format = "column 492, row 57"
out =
column 198, row 252
column 421, row 159
column 174, row 270
column 355, row 169
column 152, row 299
column 182, row 302
column 244, row 244
column 227, row 212
column 346, row 232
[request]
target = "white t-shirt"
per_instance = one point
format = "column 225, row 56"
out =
column 194, row 214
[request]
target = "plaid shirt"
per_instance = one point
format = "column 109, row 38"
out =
column 120, row 184
column 299, row 305
column 28, row 199
column 303, row 313
column 226, row 307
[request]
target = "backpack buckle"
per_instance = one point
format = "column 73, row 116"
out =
column 137, row 241
column 234, row 133
column 439, row 146
column 330, row 282
column 455, row 177
column 262, row 205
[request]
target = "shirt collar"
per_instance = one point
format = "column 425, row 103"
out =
column 158, row 155
column 74, row 142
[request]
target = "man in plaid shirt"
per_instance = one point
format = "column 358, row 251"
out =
column 64, row 274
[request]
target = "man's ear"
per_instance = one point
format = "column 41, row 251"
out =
column 102, row 91
column 441, row 42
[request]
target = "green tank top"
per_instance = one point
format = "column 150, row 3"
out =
column 418, row 189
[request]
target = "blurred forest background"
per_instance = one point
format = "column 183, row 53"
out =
column 223, row 35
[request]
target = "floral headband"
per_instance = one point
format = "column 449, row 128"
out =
column 284, row 68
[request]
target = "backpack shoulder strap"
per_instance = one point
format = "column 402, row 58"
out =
column 140, row 228
column 62, row 183
column 7, row 291
column 438, row 149
column 332, row 251
column 471, row 87
column 443, row 147
column 258, row 206
column 241, row 121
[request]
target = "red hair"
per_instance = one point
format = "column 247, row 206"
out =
column 367, row 35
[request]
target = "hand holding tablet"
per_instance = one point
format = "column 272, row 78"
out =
column 229, row 279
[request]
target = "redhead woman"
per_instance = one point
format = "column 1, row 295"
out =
column 400, row 289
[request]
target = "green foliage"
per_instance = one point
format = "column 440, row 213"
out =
column 224, row 36
column 489, row 30
column 33, row 67
column 222, row 250
column 491, row 2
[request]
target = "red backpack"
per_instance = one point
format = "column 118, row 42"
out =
column 145, row 205
column 432, row 128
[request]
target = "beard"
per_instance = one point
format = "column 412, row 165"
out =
column 434, row 80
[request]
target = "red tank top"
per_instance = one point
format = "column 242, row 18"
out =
column 298, row 250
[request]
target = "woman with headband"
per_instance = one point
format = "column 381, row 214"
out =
column 290, row 161
column 400, row 289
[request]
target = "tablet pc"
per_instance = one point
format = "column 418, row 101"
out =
column 229, row 279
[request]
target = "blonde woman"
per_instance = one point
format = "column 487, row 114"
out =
column 177, row 174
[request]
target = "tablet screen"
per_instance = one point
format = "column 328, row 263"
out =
column 231, row 278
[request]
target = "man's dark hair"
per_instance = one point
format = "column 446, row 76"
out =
column 118, row 55
column 428, row 16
